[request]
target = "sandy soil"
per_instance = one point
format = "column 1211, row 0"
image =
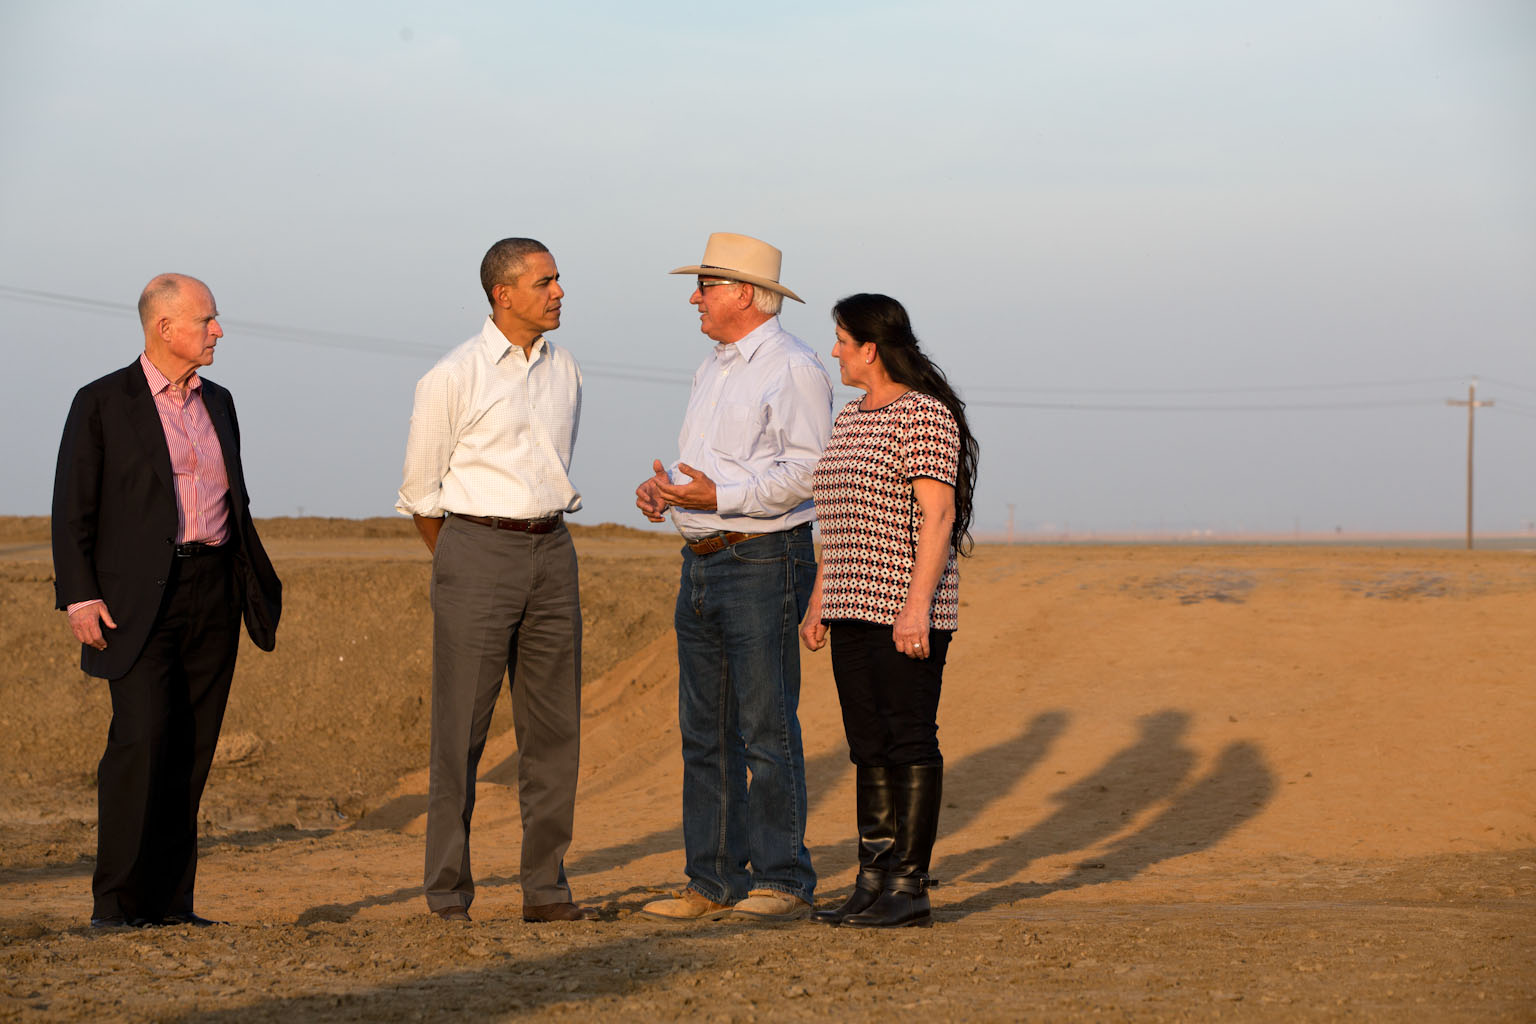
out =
column 1254, row 783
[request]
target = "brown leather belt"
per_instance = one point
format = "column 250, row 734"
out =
column 549, row 524
column 719, row 542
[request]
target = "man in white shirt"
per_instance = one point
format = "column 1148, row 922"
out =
column 487, row 481
column 740, row 494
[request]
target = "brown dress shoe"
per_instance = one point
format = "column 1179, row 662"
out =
column 454, row 913
column 555, row 912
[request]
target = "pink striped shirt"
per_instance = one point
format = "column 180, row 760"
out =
column 197, row 458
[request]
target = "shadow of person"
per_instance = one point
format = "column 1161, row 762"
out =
column 973, row 783
column 1093, row 808
column 1234, row 791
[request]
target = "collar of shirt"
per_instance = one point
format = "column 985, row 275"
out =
column 497, row 347
column 158, row 381
column 747, row 347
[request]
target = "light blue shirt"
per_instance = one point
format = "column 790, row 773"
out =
column 758, row 417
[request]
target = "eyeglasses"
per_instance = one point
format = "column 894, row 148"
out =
column 712, row 283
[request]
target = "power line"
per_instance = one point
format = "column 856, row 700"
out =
column 336, row 339
column 640, row 373
column 1260, row 388
column 1391, row 403
column 1508, row 384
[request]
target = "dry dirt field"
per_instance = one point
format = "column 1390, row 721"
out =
column 1184, row 783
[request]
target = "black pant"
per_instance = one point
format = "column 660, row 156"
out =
column 166, row 713
column 890, row 702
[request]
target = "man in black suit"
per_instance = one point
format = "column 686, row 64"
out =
column 156, row 558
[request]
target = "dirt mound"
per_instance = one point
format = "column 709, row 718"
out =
column 327, row 724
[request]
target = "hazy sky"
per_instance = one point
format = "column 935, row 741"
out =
column 1193, row 264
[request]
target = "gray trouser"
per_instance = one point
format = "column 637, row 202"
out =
column 504, row 602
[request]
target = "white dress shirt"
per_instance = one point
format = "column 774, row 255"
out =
column 759, row 414
column 492, row 432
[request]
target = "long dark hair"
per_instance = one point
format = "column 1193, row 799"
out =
column 882, row 320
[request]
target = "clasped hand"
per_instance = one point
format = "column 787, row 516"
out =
column 658, row 493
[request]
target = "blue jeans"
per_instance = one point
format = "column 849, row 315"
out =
column 738, row 657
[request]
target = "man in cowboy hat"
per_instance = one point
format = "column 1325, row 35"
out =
column 740, row 494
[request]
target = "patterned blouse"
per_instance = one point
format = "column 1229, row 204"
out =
column 869, row 515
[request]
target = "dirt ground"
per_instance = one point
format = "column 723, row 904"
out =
column 1183, row 783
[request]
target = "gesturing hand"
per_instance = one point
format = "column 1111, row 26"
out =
column 697, row 494
column 648, row 497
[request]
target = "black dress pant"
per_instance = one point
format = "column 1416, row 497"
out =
column 166, row 713
column 890, row 702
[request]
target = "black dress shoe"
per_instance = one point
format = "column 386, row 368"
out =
column 546, row 912
column 119, row 921
column 189, row 918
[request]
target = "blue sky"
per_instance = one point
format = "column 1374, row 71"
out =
column 1128, row 231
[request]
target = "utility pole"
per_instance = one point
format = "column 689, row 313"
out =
column 1472, row 405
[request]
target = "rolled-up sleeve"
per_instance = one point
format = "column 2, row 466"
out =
column 427, row 448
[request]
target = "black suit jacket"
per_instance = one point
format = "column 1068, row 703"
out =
column 115, row 521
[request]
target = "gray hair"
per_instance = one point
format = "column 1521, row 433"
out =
column 764, row 301
column 504, row 262
column 767, row 302
column 162, row 289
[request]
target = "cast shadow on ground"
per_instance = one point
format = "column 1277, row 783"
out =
column 972, row 785
column 337, row 913
column 255, row 838
column 517, row 986
column 822, row 774
column 1090, row 810
column 84, row 864
column 1200, row 815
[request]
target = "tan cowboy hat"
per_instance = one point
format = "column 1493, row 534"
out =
column 741, row 258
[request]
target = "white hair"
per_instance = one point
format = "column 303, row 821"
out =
column 767, row 302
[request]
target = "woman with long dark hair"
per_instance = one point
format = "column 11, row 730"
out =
column 893, row 502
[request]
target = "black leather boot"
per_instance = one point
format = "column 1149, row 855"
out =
column 875, row 816
column 904, row 903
